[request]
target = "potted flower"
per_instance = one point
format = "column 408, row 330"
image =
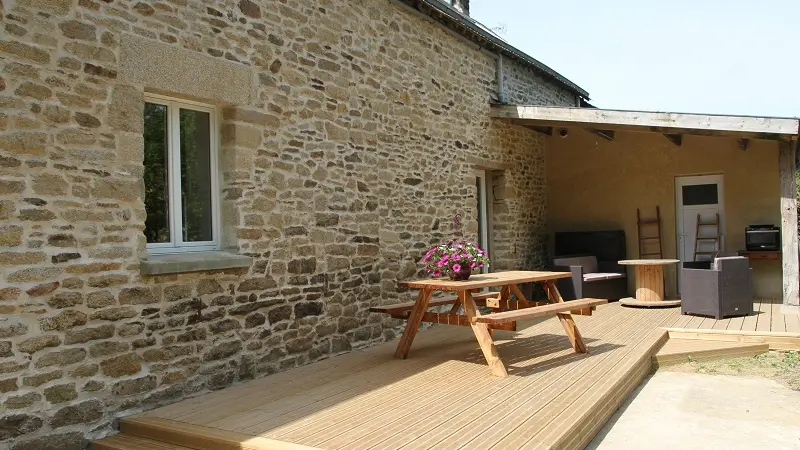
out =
column 455, row 259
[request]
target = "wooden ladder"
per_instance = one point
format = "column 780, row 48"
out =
column 641, row 224
column 714, row 238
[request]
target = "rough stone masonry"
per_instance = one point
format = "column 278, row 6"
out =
column 346, row 130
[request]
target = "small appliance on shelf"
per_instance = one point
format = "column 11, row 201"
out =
column 762, row 238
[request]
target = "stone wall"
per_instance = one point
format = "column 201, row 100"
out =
column 346, row 126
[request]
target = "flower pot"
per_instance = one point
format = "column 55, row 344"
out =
column 461, row 275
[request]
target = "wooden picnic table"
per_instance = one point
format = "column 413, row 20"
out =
column 508, row 310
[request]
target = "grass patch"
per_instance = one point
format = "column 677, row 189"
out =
column 783, row 367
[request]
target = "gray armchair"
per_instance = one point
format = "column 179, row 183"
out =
column 720, row 289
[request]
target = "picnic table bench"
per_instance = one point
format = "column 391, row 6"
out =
column 509, row 310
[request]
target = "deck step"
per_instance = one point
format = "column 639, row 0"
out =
column 199, row 437
column 126, row 442
column 677, row 351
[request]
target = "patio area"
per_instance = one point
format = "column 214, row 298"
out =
column 443, row 396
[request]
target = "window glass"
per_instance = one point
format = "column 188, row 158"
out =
column 196, row 176
column 156, row 174
column 700, row 194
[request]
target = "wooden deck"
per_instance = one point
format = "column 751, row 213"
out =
column 443, row 396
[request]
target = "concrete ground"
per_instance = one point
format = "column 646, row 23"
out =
column 696, row 411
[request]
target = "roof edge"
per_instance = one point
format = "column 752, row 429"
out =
column 472, row 30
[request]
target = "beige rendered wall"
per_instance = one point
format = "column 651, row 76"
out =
column 595, row 184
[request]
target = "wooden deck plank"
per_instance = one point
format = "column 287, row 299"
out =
column 480, row 428
column 444, row 397
column 765, row 316
column 792, row 323
column 581, row 420
column 735, row 324
column 560, row 394
column 749, row 323
column 778, row 322
column 721, row 324
column 220, row 405
column 474, row 361
column 398, row 432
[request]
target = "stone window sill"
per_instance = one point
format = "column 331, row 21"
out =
column 193, row 262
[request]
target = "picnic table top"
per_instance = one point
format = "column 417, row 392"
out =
column 485, row 280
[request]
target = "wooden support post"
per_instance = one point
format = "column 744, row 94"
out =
column 676, row 139
column 547, row 131
column 791, row 277
column 605, row 134
column 566, row 319
column 482, row 335
column 413, row 323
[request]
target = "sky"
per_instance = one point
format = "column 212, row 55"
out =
column 701, row 56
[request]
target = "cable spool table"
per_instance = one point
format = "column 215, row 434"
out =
column 649, row 283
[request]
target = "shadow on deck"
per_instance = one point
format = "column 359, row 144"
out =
column 443, row 396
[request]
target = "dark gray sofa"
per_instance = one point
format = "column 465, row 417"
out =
column 722, row 288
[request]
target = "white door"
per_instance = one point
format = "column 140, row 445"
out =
column 699, row 195
column 483, row 215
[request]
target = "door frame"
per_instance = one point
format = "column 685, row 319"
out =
column 482, row 177
column 690, row 180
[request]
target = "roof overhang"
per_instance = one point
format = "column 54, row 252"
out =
column 474, row 31
column 669, row 123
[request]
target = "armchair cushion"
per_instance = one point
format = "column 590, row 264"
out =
column 589, row 263
column 588, row 277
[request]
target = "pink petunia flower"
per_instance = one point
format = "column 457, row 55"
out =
column 456, row 267
column 472, row 265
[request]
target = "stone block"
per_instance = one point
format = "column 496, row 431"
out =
column 114, row 314
column 152, row 63
column 89, row 334
column 12, row 328
column 16, row 425
column 82, row 413
column 74, row 440
column 37, row 343
column 64, row 320
column 8, row 385
column 24, row 51
column 61, row 393
column 126, row 110
column 138, row 296
column 120, row 366
column 108, row 348
column 21, row 258
column 34, row 275
column 135, row 386
column 65, row 300
column 22, row 401
column 42, row 378
column 222, row 351
column 61, row 358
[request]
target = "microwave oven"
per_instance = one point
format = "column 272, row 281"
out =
column 762, row 237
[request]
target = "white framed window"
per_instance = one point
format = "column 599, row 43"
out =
column 180, row 175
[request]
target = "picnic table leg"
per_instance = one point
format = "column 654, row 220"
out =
column 481, row 331
column 566, row 319
column 413, row 323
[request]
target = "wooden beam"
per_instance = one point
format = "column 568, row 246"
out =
column 791, row 275
column 676, row 139
column 770, row 128
column 605, row 134
column 547, row 131
column 743, row 143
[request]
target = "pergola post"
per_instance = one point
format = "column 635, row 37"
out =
column 791, row 276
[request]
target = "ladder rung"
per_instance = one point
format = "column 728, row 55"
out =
column 707, row 224
column 649, row 222
column 650, row 254
column 707, row 238
column 649, row 238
